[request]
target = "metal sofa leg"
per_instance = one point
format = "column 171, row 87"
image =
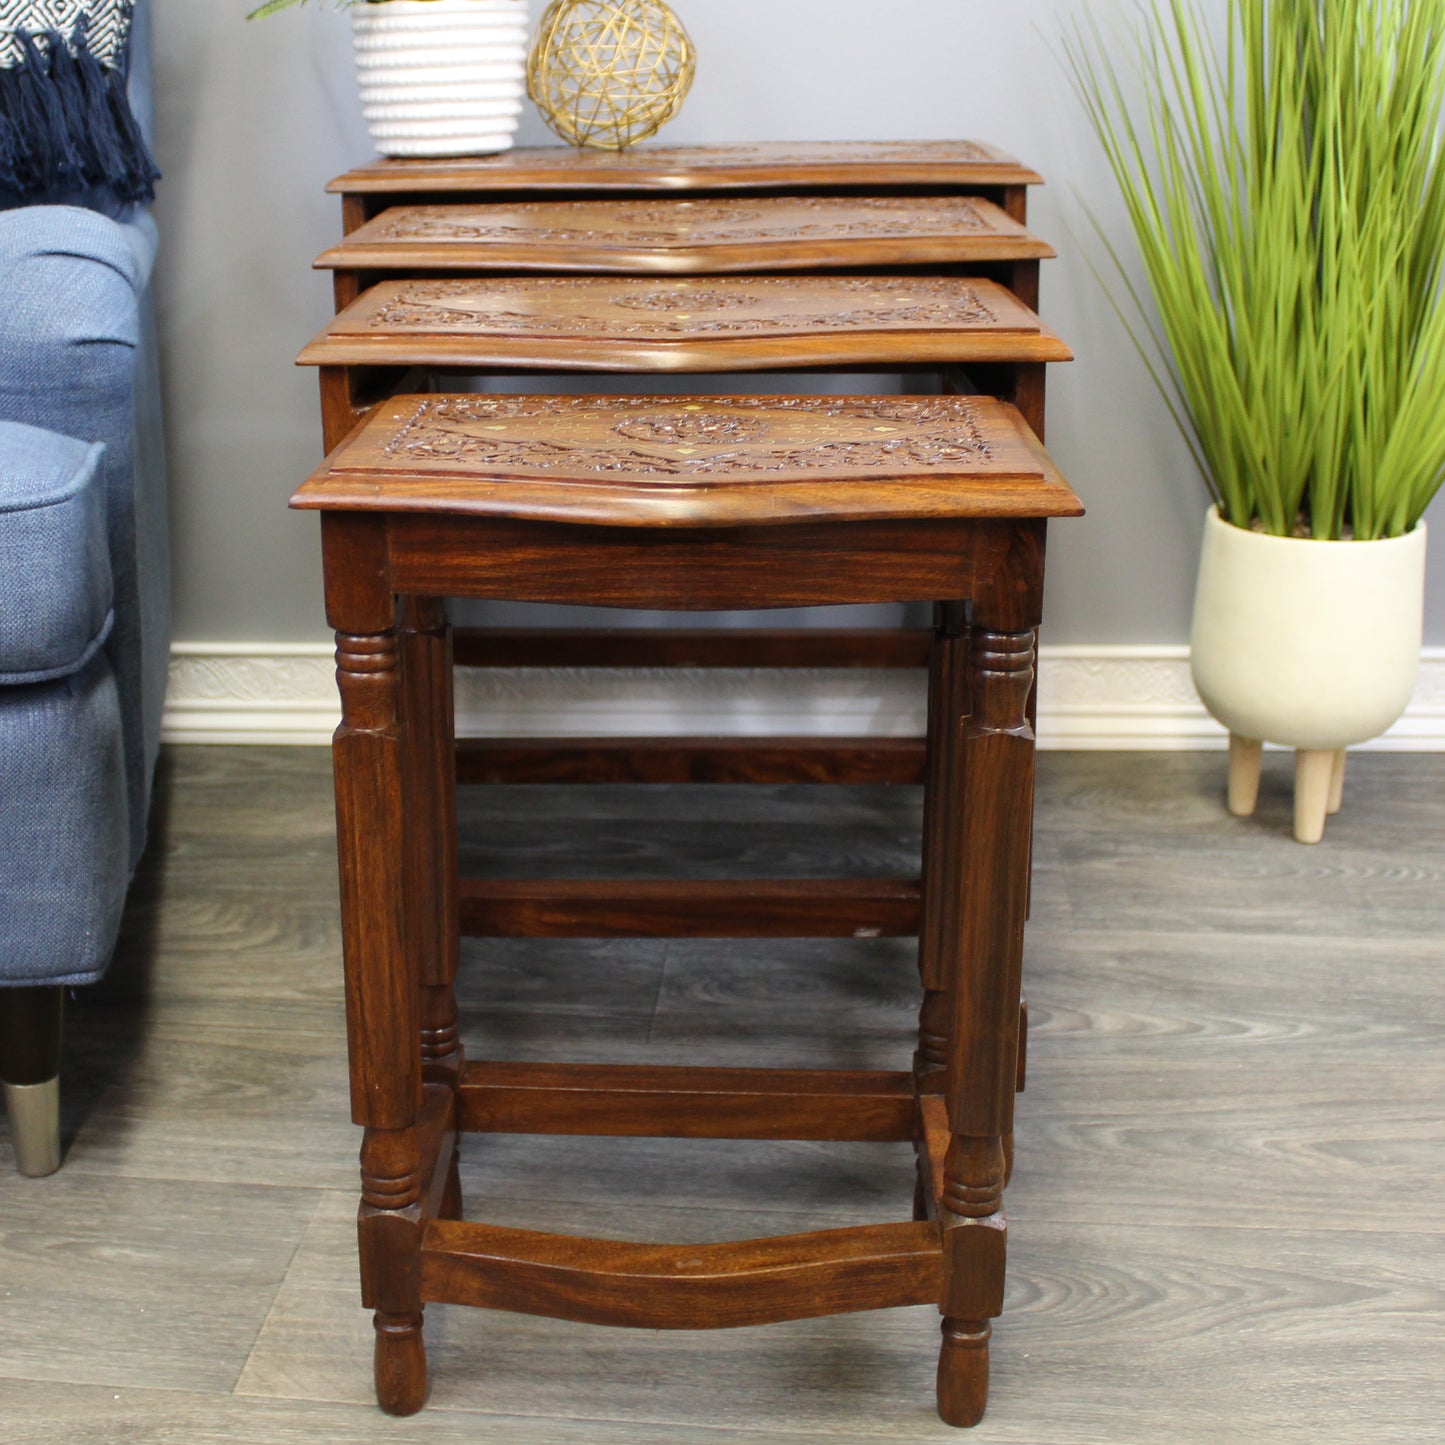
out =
column 30, row 1030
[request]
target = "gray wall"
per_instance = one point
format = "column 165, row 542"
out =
column 255, row 118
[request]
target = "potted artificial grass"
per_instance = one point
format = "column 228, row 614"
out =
column 1286, row 192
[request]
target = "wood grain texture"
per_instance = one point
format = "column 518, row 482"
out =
column 733, row 167
column 860, row 761
column 676, row 908
column 699, row 461
column 685, row 325
column 685, row 1287
column 713, row 569
column 641, row 1101
column 680, row 238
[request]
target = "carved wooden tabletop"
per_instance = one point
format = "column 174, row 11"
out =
column 804, row 166
column 684, row 324
column 643, row 461
column 679, row 237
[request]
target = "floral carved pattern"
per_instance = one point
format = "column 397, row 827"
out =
column 566, row 306
column 683, row 223
column 757, row 436
column 694, row 428
column 691, row 300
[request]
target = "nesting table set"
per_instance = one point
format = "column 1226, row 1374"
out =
column 895, row 258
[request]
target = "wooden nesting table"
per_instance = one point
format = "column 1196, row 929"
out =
column 682, row 503
column 908, row 258
column 479, row 266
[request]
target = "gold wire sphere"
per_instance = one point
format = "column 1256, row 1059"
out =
column 606, row 73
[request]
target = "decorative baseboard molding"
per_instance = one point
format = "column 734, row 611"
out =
column 1130, row 698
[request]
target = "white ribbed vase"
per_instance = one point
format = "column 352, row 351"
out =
column 1312, row 644
column 441, row 77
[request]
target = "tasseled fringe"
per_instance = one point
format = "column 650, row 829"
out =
column 66, row 123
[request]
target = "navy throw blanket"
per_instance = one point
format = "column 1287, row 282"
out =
column 65, row 119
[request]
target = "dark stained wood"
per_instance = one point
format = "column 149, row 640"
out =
column 642, row 461
column 990, row 875
column 934, row 1137
column 672, row 238
column 685, row 503
column 430, row 883
column 824, row 760
column 437, row 1130
column 692, row 647
column 673, row 908
column 940, row 815
column 1022, row 1074
column 687, row 324
column 1024, row 385
column 963, row 1374
column 690, row 1286
column 792, row 165
column 705, row 570
column 383, row 1026
column 679, row 1103
column 381, row 999
column 989, row 860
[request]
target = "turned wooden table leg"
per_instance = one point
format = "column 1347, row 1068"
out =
column 431, row 847
column 940, row 828
column 990, row 873
column 382, row 1013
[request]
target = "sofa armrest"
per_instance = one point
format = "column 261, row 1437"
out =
column 72, row 280
column 55, row 575
column 77, row 358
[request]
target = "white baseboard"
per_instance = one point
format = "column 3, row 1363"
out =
column 1130, row 698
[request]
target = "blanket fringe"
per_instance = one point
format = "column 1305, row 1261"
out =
column 66, row 122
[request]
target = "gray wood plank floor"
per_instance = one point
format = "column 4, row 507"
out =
column 1228, row 1216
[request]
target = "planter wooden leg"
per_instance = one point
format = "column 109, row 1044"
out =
column 1313, row 771
column 1337, row 783
column 1245, row 757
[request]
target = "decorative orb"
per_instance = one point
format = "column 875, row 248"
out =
column 606, row 73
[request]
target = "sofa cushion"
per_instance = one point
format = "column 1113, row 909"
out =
column 55, row 579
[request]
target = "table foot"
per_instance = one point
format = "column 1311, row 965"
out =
column 401, row 1380
column 963, row 1372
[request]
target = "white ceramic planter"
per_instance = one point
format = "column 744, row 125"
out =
column 441, row 77
column 1311, row 644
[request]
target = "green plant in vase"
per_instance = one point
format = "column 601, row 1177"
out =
column 1285, row 188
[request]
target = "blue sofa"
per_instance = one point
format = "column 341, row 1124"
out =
column 84, row 608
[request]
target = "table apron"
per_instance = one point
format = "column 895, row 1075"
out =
column 995, row 562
